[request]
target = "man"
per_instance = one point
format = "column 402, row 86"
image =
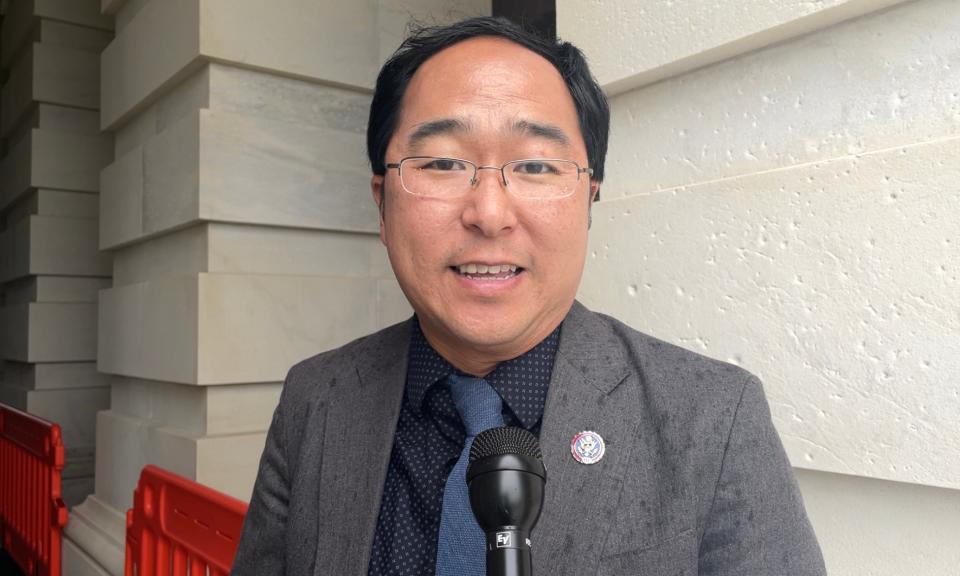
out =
column 487, row 147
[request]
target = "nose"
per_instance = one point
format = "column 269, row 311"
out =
column 489, row 208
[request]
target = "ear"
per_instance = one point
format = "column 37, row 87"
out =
column 594, row 190
column 376, row 187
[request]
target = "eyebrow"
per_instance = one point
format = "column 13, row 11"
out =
column 436, row 127
column 547, row 131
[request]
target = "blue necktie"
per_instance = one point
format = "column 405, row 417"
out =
column 461, row 546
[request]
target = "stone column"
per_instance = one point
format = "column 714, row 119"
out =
column 243, row 234
column 50, row 266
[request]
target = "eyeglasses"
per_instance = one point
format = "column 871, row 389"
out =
column 435, row 177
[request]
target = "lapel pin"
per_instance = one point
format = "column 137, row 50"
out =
column 587, row 447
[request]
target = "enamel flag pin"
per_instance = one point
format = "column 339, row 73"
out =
column 587, row 447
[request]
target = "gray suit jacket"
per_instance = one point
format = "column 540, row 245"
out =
column 694, row 481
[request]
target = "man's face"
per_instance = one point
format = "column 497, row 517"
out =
column 494, row 91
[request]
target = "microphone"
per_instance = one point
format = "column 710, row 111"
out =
column 505, row 480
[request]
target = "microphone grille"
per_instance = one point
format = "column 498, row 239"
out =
column 505, row 440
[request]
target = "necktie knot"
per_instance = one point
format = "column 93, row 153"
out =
column 479, row 405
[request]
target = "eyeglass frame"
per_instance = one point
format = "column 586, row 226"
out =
column 477, row 167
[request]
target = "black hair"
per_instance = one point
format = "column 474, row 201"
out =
column 592, row 110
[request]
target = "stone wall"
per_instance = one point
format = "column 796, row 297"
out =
column 238, row 215
column 50, row 266
column 781, row 194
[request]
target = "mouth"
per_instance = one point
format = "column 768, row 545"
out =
column 477, row 271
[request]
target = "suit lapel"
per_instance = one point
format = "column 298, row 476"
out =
column 587, row 392
column 357, row 441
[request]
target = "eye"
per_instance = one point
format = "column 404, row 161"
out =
column 535, row 168
column 442, row 165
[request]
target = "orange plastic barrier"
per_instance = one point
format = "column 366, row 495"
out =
column 179, row 527
column 32, row 512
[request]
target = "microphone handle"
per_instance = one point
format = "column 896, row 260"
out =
column 508, row 552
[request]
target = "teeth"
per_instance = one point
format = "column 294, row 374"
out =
column 485, row 269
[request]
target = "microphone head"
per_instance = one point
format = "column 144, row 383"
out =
column 505, row 440
column 505, row 478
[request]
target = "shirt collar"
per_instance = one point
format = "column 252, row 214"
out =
column 522, row 382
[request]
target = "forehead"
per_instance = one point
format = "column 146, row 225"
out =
column 488, row 83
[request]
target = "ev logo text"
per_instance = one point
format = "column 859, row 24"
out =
column 503, row 539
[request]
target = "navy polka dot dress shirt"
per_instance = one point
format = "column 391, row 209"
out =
column 428, row 441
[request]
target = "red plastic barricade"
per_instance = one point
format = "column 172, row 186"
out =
column 179, row 527
column 32, row 512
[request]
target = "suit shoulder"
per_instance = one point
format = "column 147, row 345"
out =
column 310, row 376
column 674, row 370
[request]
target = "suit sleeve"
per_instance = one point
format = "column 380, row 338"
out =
column 262, row 545
column 757, row 523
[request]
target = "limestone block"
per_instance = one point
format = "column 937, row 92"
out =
column 253, row 328
column 22, row 291
column 54, row 74
column 138, row 128
column 835, row 282
column 392, row 305
column 79, row 462
column 49, row 332
column 330, row 41
column 17, row 93
column 15, row 252
column 69, row 161
column 121, row 200
column 229, row 463
column 242, row 408
column 317, row 41
column 868, row 526
column 257, row 93
column 82, row 12
column 162, row 40
column 183, row 100
column 112, row 6
column 67, row 119
column 78, row 37
column 395, row 17
column 248, row 249
column 16, row 29
column 59, row 160
column 76, row 561
column 171, row 166
column 60, row 204
column 13, row 396
column 219, row 166
column 53, row 376
column 75, row 489
column 869, row 84
column 642, row 42
column 271, row 172
column 69, row 288
column 54, row 289
column 176, row 103
column 74, row 409
column 183, row 252
column 94, row 538
column 15, row 171
column 149, row 330
column 168, row 404
column 55, row 203
column 126, row 444
column 54, row 246
column 123, row 449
